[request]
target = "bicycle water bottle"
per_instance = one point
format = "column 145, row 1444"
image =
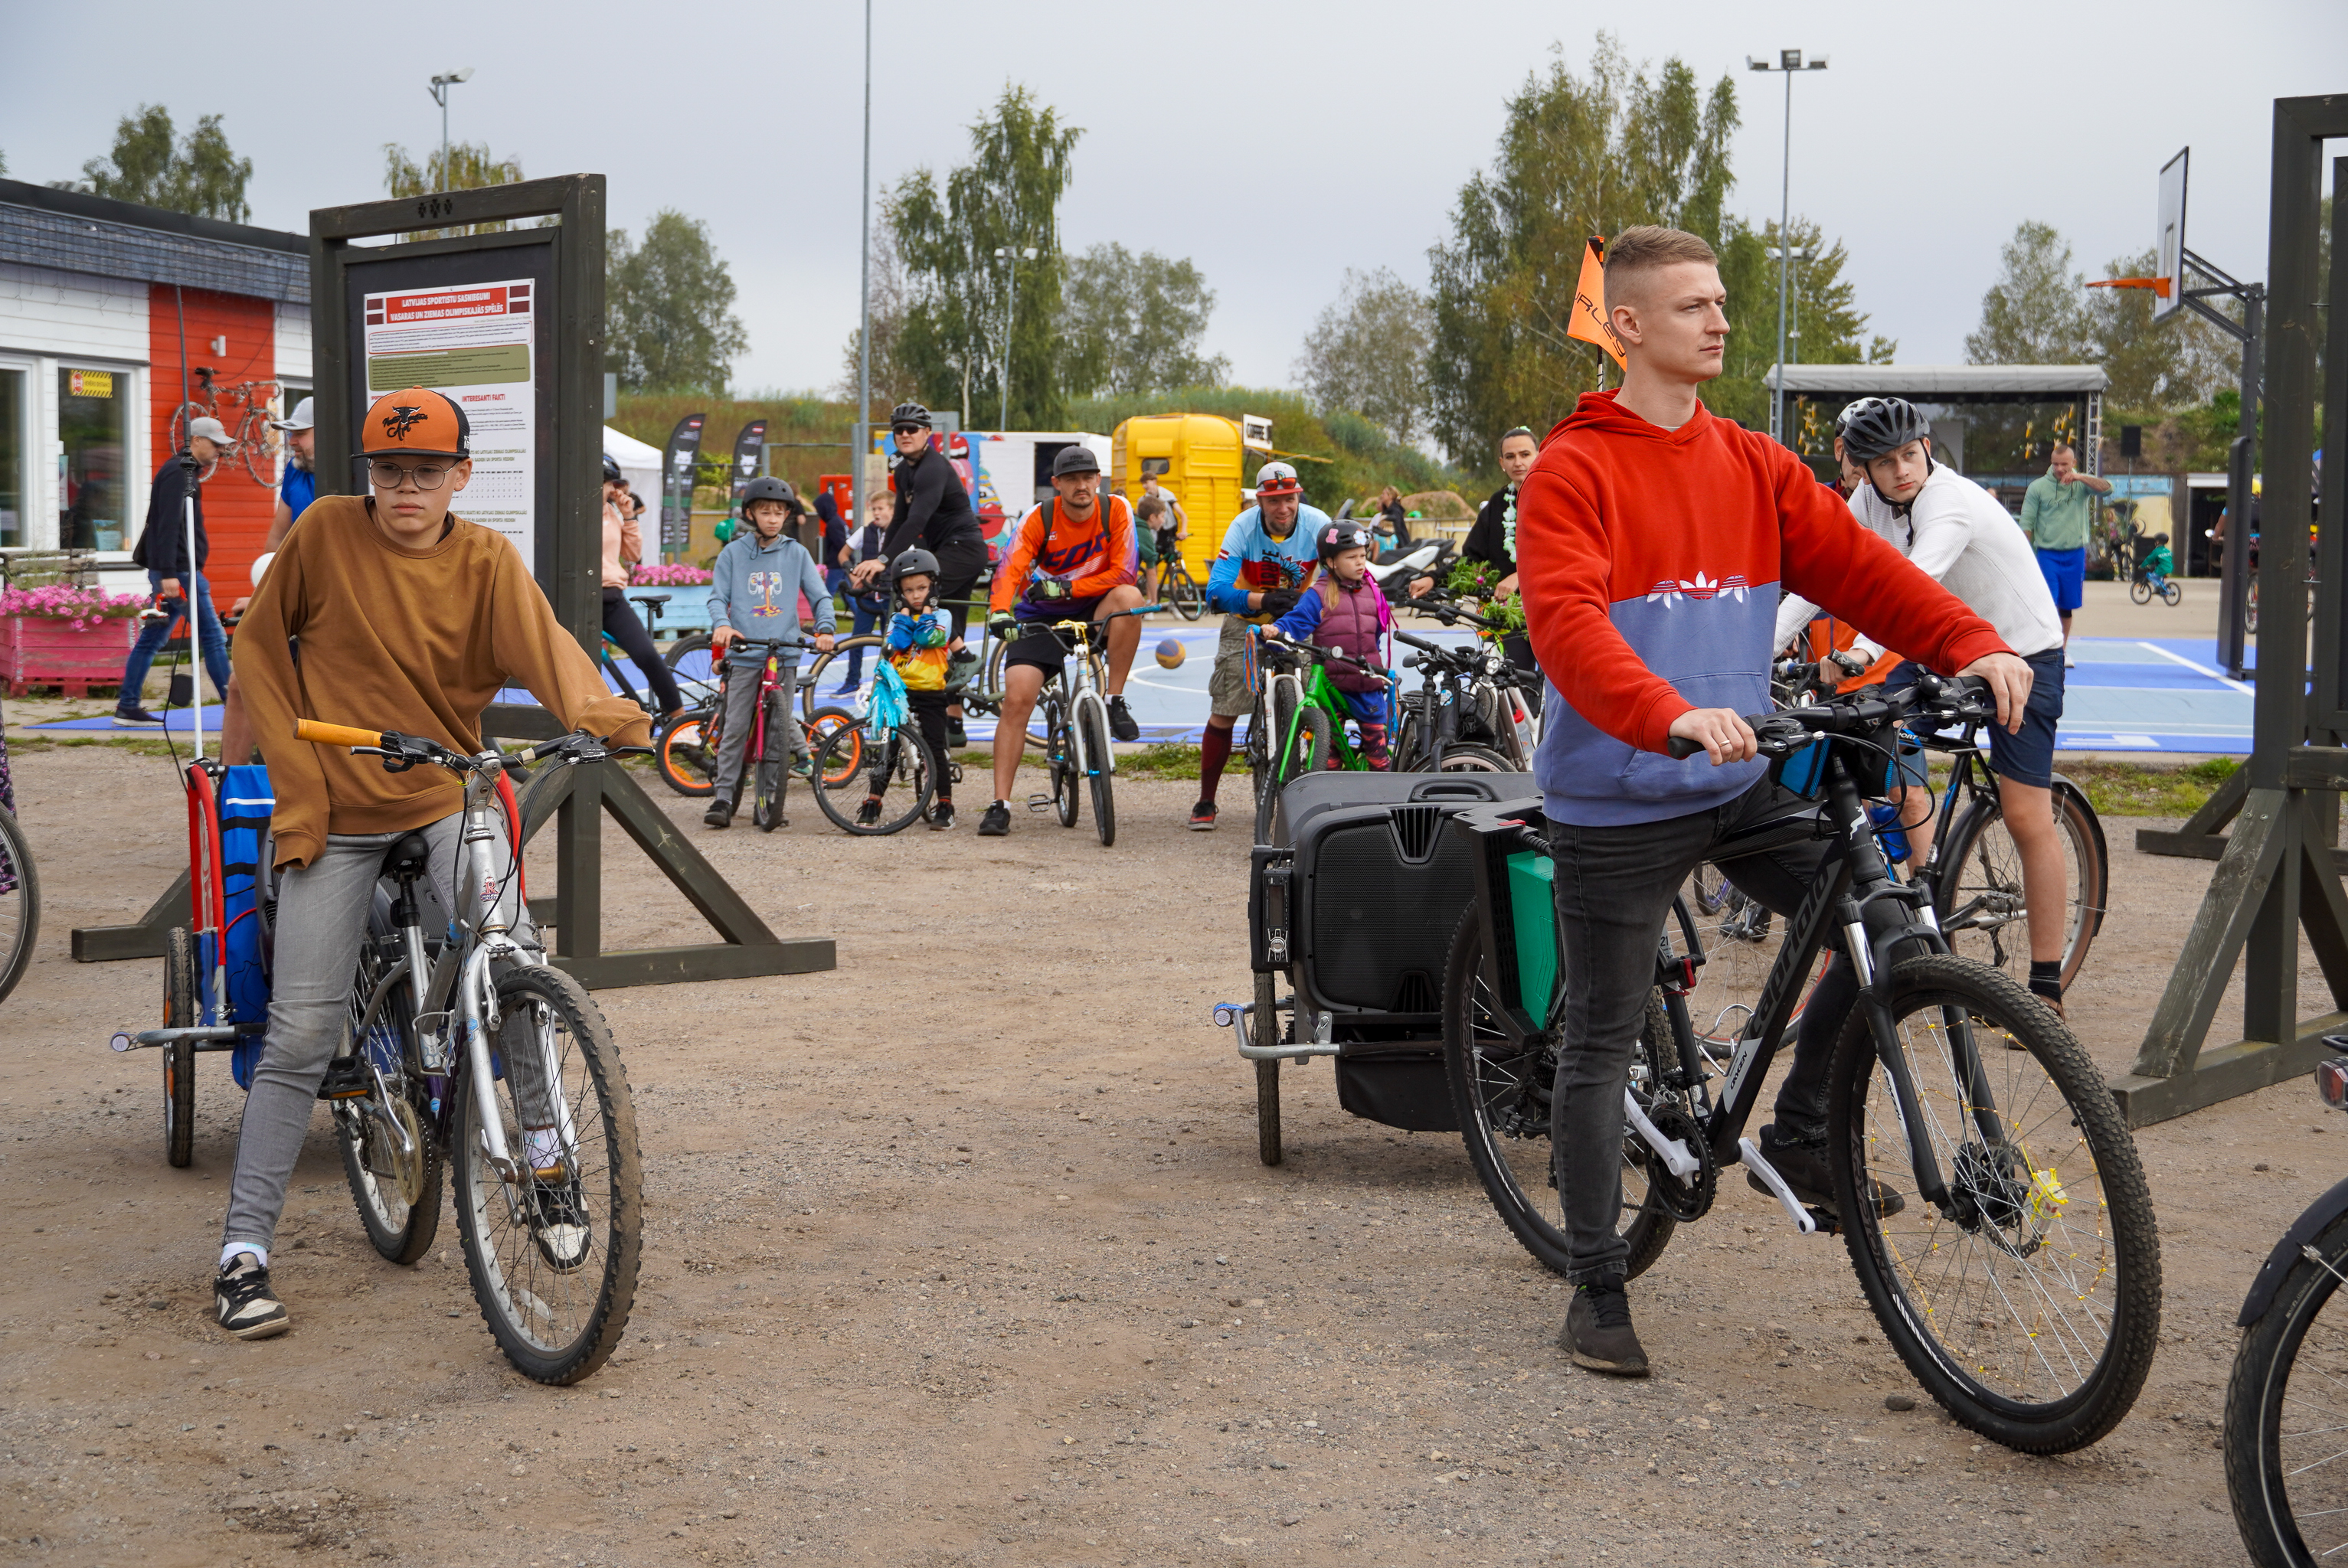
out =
column 1888, row 831
column 1521, row 717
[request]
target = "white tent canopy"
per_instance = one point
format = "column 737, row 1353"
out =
column 640, row 463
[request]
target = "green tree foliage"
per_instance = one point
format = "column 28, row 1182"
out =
column 2035, row 312
column 1006, row 197
column 669, row 304
column 1368, row 351
column 2153, row 365
column 470, row 166
column 1134, row 324
column 199, row 175
column 1579, row 156
column 1824, row 323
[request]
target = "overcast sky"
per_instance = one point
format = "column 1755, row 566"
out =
column 1935, row 130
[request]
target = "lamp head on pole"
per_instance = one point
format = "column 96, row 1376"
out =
column 1787, row 60
column 442, row 83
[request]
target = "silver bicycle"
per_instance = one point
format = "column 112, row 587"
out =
column 474, row 1050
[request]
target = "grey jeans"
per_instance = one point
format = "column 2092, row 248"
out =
column 741, row 702
column 322, row 916
column 1614, row 887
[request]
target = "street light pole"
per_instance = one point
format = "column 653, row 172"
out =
column 1788, row 61
column 1010, row 314
column 864, row 297
column 1789, row 332
column 440, row 86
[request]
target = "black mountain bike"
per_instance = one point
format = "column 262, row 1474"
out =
column 2006, row 1243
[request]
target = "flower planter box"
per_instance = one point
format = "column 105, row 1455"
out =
column 40, row 650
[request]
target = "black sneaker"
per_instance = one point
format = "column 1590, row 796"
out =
column 942, row 817
column 996, row 822
column 137, row 717
column 955, row 739
column 1804, row 1166
column 1202, row 817
column 1121, row 721
column 243, row 1302
column 1598, row 1333
column 720, row 812
column 868, row 814
column 560, row 1230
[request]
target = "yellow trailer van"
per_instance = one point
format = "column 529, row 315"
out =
column 1200, row 458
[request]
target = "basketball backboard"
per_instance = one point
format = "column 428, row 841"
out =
column 2168, row 261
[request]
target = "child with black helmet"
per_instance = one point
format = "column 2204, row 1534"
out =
column 754, row 593
column 1346, row 609
column 916, row 648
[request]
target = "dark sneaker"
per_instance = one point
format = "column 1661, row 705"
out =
column 1202, row 817
column 955, row 739
column 996, row 822
column 868, row 814
column 561, row 1229
column 942, row 817
column 1121, row 721
column 720, row 812
column 243, row 1302
column 1804, row 1165
column 1598, row 1333
column 137, row 717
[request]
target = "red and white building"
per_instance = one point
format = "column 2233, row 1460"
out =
column 96, row 299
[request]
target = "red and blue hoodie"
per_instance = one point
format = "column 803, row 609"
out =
column 1650, row 562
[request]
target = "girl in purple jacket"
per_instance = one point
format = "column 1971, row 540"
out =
column 1346, row 609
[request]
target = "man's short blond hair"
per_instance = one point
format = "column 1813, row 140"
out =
column 1644, row 249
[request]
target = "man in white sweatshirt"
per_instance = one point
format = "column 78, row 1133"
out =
column 1958, row 533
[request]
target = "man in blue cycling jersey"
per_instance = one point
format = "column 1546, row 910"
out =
column 1266, row 559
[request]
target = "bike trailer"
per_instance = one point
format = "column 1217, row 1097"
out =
column 1356, row 903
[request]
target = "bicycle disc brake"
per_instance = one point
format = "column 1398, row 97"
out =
column 1689, row 1198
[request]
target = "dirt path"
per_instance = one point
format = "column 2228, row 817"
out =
column 962, row 1254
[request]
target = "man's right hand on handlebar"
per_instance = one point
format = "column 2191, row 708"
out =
column 1722, row 732
column 2008, row 675
column 1276, row 602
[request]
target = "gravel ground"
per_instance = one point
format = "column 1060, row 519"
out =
column 962, row 1254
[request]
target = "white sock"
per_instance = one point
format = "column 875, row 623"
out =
column 229, row 1251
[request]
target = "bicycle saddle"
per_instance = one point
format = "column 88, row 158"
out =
column 407, row 856
column 650, row 598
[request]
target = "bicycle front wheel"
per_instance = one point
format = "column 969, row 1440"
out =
column 1092, row 721
column 2171, row 595
column 2033, row 1315
column 1978, row 895
column 1500, row 1094
column 20, row 903
column 687, row 750
column 553, row 1250
column 901, row 777
column 2284, row 1410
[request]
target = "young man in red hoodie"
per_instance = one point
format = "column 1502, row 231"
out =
column 1653, row 538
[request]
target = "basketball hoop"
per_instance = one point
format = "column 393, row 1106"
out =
column 2159, row 286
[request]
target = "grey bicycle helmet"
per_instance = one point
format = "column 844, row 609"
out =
column 906, row 413
column 912, row 563
column 1882, row 429
column 768, row 488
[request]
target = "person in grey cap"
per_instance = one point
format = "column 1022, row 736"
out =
column 162, row 550
column 295, row 491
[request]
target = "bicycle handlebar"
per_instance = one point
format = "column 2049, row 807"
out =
column 1314, row 650
column 1445, row 611
column 399, row 753
column 334, row 734
column 1787, row 731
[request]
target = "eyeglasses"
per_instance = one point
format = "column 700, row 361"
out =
column 388, row 475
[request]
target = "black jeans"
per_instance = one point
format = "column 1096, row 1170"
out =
column 620, row 621
column 1614, row 887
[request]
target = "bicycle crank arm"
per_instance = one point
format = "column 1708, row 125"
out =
column 1673, row 1152
column 406, row 1145
column 1748, row 1152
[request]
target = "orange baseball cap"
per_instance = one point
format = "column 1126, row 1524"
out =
column 416, row 420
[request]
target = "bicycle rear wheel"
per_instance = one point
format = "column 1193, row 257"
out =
column 20, row 903
column 1092, row 721
column 553, row 1253
column 1977, row 897
column 1183, row 592
column 1500, row 1094
column 397, row 1193
column 687, row 750
column 848, row 759
column 181, row 1009
column 873, row 644
column 1466, row 758
column 2284, row 1412
column 901, row 768
column 2032, row 1317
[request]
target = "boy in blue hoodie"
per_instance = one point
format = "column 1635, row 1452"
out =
column 754, row 594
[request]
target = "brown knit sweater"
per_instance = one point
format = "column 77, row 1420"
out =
column 390, row 638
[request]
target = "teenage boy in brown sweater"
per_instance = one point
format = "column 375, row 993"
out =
column 383, row 611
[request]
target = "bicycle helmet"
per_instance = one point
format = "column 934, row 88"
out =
column 912, row 563
column 1882, row 429
column 1339, row 538
column 1852, row 410
column 1277, row 479
column 906, row 413
column 610, row 469
column 768, row 488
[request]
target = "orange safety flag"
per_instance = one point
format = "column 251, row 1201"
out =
column 1589, row 320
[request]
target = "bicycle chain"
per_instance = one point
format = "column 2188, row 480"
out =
column 1685, row 1199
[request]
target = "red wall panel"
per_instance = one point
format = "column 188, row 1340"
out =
column 237, row 511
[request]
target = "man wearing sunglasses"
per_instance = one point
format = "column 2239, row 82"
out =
column 385, row 610
column 932, row 513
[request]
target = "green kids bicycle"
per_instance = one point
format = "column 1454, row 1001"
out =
column 1300, row 719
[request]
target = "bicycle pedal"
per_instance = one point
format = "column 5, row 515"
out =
column 1039, row 802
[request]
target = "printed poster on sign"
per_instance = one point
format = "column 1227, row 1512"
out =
column 473, row 343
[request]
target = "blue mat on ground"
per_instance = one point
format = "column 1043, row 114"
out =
column 179, row 721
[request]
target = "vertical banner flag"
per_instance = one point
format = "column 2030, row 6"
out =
column 1589, row 320
column 677, row 483
column 748, row 447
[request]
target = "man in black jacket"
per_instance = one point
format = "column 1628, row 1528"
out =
column 162, row 550
column 932, row 513
column 1493, row 541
